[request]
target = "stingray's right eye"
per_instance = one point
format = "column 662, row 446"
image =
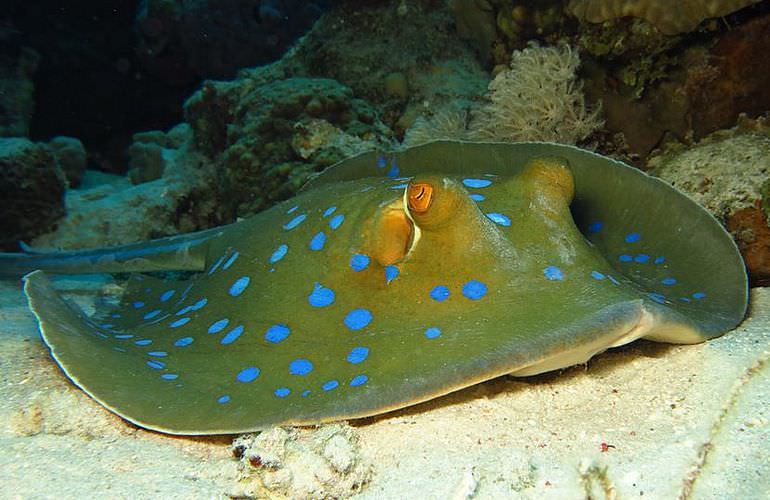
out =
column 432, row 202
column 419, row 197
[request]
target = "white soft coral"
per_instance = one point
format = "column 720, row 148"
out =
column 538, row 98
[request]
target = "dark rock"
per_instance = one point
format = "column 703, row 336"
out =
column 71, row 157
column 32, row 189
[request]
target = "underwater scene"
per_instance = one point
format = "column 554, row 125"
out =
column 375, row 249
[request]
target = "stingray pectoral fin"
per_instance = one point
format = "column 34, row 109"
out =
column 86, row 357
column 620, row 325
column 613, row 326
column 186, row 252
column 71, row 339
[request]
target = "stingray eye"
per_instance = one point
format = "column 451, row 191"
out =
column 420, row 197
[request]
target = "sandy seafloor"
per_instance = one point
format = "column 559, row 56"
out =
column 643, row 421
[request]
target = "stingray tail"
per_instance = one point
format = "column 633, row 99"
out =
column 185, row 252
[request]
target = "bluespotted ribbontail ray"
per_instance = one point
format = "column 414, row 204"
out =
column 392, row 280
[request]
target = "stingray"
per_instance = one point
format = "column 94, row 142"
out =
column 390, row 280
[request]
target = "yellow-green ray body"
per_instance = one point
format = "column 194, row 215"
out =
column 358, row 296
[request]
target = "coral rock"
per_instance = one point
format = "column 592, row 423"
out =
column 32, row 189
column 265, row 136
column 71, row 156
column 302, row 463
column 725, row 173
column 684, row 17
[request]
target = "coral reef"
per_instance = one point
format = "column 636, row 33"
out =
column 32, row 189
column 449, row 123
column 475, row 20
column 261, row 134
column 430, row 69
column 538, row 98
column 302, row 463
column 107, row 210
column 725, row 173
column 148, row 154
column 729, row 82
column 687, row 87
column 685, row 17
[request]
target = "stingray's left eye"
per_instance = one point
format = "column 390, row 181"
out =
column 419, row 197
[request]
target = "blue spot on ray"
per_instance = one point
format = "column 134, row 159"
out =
column 329, row 211
column 167, row 295
column 642, row 258
column 277, row 333
column 216, row 265
column 143, row 342
column 391, row 273
column 124, row 336
column 156, row 365
column 474, row 289
column 659, row 260
column 358, row 380
column 393, row 172
column 440, row 293
column 184, row 342
column 668, row 281
column 158, row 354
column 382, row 162
column 169, row 376
column 296, row 221
column 321, row 296
column 282, row 392
column 248, row 374
column 223, row 399
column 279, row 254
column 152, row 314
column 138, row 304
column 499, row 219
column 358, row 319
column 292, row 210
column 230, row 260
column 179, row 322
column 306, row 393
column 432, row 332
column 597, row 275
column 300, row 367
column 633, row 237
column 359, row 262
column 477, row 197
column 194, row 307
column 329, row 385
column 657, row 297
column 553, row 273
column 477, row 183
column 232, row 335
column 699, row 295
column 399, row 186
column 358, row 355
column 625, row 258
column 318, row 241
column 336, row 221
column 239, row 286
column 218, row 325
column 595, row 226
